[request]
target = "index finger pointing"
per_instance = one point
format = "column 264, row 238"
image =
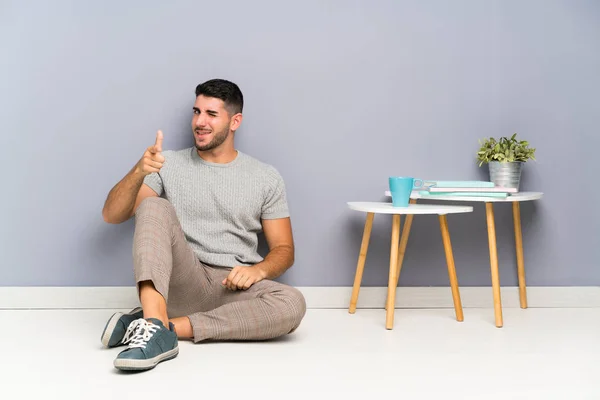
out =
column 159, row 140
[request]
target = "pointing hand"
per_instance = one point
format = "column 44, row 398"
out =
column 152, row 160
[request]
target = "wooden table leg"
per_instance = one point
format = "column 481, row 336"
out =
column 360, row 267
column 519, row 246
column 489, row 211
column 391, row 295
column 403, row 242
column 451, row 268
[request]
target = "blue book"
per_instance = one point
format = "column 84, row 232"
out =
column 463, row 194
column 460, row 184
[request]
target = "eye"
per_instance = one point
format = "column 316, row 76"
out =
column 197, row 112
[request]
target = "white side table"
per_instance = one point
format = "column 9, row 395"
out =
column 397, row 249
column 515, row 199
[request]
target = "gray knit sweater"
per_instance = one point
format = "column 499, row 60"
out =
column 220, row 206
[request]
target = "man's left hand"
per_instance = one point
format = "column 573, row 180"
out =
column 241, row 278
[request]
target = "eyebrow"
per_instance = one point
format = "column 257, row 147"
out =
column 208, row 111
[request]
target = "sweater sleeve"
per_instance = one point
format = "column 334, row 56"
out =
column 275, row 202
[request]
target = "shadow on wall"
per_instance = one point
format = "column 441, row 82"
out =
column 103, row 244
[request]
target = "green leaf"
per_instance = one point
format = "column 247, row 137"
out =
column 504, row 148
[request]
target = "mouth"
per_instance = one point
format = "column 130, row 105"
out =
column 202, row 132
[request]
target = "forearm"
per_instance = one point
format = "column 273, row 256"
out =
column 277, row 261
column 121, row 199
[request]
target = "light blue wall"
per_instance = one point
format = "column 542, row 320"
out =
column 339, row 95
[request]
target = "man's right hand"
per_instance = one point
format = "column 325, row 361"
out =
column 153, row 160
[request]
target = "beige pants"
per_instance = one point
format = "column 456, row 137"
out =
column 162, row 255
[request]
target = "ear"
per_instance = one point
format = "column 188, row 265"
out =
column 235, row 122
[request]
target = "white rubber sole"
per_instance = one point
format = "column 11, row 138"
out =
column 142, row 365
column 112, row 322
column 110, row 327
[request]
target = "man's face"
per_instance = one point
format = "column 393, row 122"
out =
column 211, row 123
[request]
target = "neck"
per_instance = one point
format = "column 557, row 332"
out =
column 219, row 155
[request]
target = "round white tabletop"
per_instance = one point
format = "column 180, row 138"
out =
column 521, row 196
column 388, row 208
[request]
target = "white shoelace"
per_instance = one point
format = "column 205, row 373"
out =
column 139, row 333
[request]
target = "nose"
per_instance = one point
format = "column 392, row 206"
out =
column 200, row 121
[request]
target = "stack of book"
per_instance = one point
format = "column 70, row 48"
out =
column 465, row 188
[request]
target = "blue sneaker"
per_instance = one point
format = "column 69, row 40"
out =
column 114, row 333
column 149, row 344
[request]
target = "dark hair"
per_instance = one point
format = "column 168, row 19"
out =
column 222, row 89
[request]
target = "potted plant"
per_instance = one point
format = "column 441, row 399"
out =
column 505, row 158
